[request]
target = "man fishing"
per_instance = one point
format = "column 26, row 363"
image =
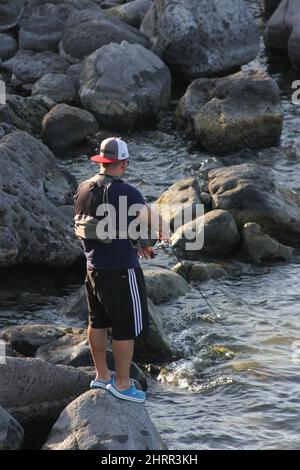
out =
column 115, row 285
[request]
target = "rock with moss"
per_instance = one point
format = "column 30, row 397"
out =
column 225, row 114
column 132, row 12
column 197, row 271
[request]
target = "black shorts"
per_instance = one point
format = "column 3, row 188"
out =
column 118, row 300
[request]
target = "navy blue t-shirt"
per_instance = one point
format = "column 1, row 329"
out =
column 119, row 254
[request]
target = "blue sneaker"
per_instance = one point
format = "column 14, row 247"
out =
column 131, row 394
column 101, row 383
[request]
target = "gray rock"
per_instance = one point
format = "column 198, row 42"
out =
column 261, row 248
column 86, row 31
column 99, row 421
column 26, row 339
column 283, row 30
column 201, row 38
column 184, row 195
column 217, row 230
column 10, row 13
column 11, row 432
column 132, row 12
column 66, row 125
column 251, row 193
column 124, row 85
column 42, row 29
column 28, row 66
column 32, row 186
column 32, row 389
column 164, row 285
column 196, row 271
column 26, row 113
column 231, row 113
column 8, row 46
column 58, row 87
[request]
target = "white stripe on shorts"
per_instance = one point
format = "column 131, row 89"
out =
column 137, row 310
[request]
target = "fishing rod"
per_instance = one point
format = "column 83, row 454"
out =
column 168, row 249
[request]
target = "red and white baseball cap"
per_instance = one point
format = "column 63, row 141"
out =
column 112, row 150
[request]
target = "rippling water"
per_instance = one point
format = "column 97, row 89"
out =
column 237, row 386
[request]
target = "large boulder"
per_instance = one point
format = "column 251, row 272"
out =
column 164, row 285
column 98, row 421
column 132, row 12
column 86, row 31
column 124, row 85
column 200, row 38
column 283, row 30
column 215, row 234
column 8, row 46
column 10, row 13
column 231, row 113
column 42, row 27
column 67, row 125
column 33, row 188
column 11, row 432
column 251, row 193
column 58, row 87
column 26, row 113
column 28, row 66
column 261, row 248
column 32, row 389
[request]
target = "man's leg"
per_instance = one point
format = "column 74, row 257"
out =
column 123, row 352
column 98, row 344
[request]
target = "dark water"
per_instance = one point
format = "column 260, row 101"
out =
column 238, row 384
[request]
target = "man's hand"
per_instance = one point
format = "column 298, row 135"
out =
column 146, row 253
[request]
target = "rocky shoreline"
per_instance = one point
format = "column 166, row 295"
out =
column 115, row 73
